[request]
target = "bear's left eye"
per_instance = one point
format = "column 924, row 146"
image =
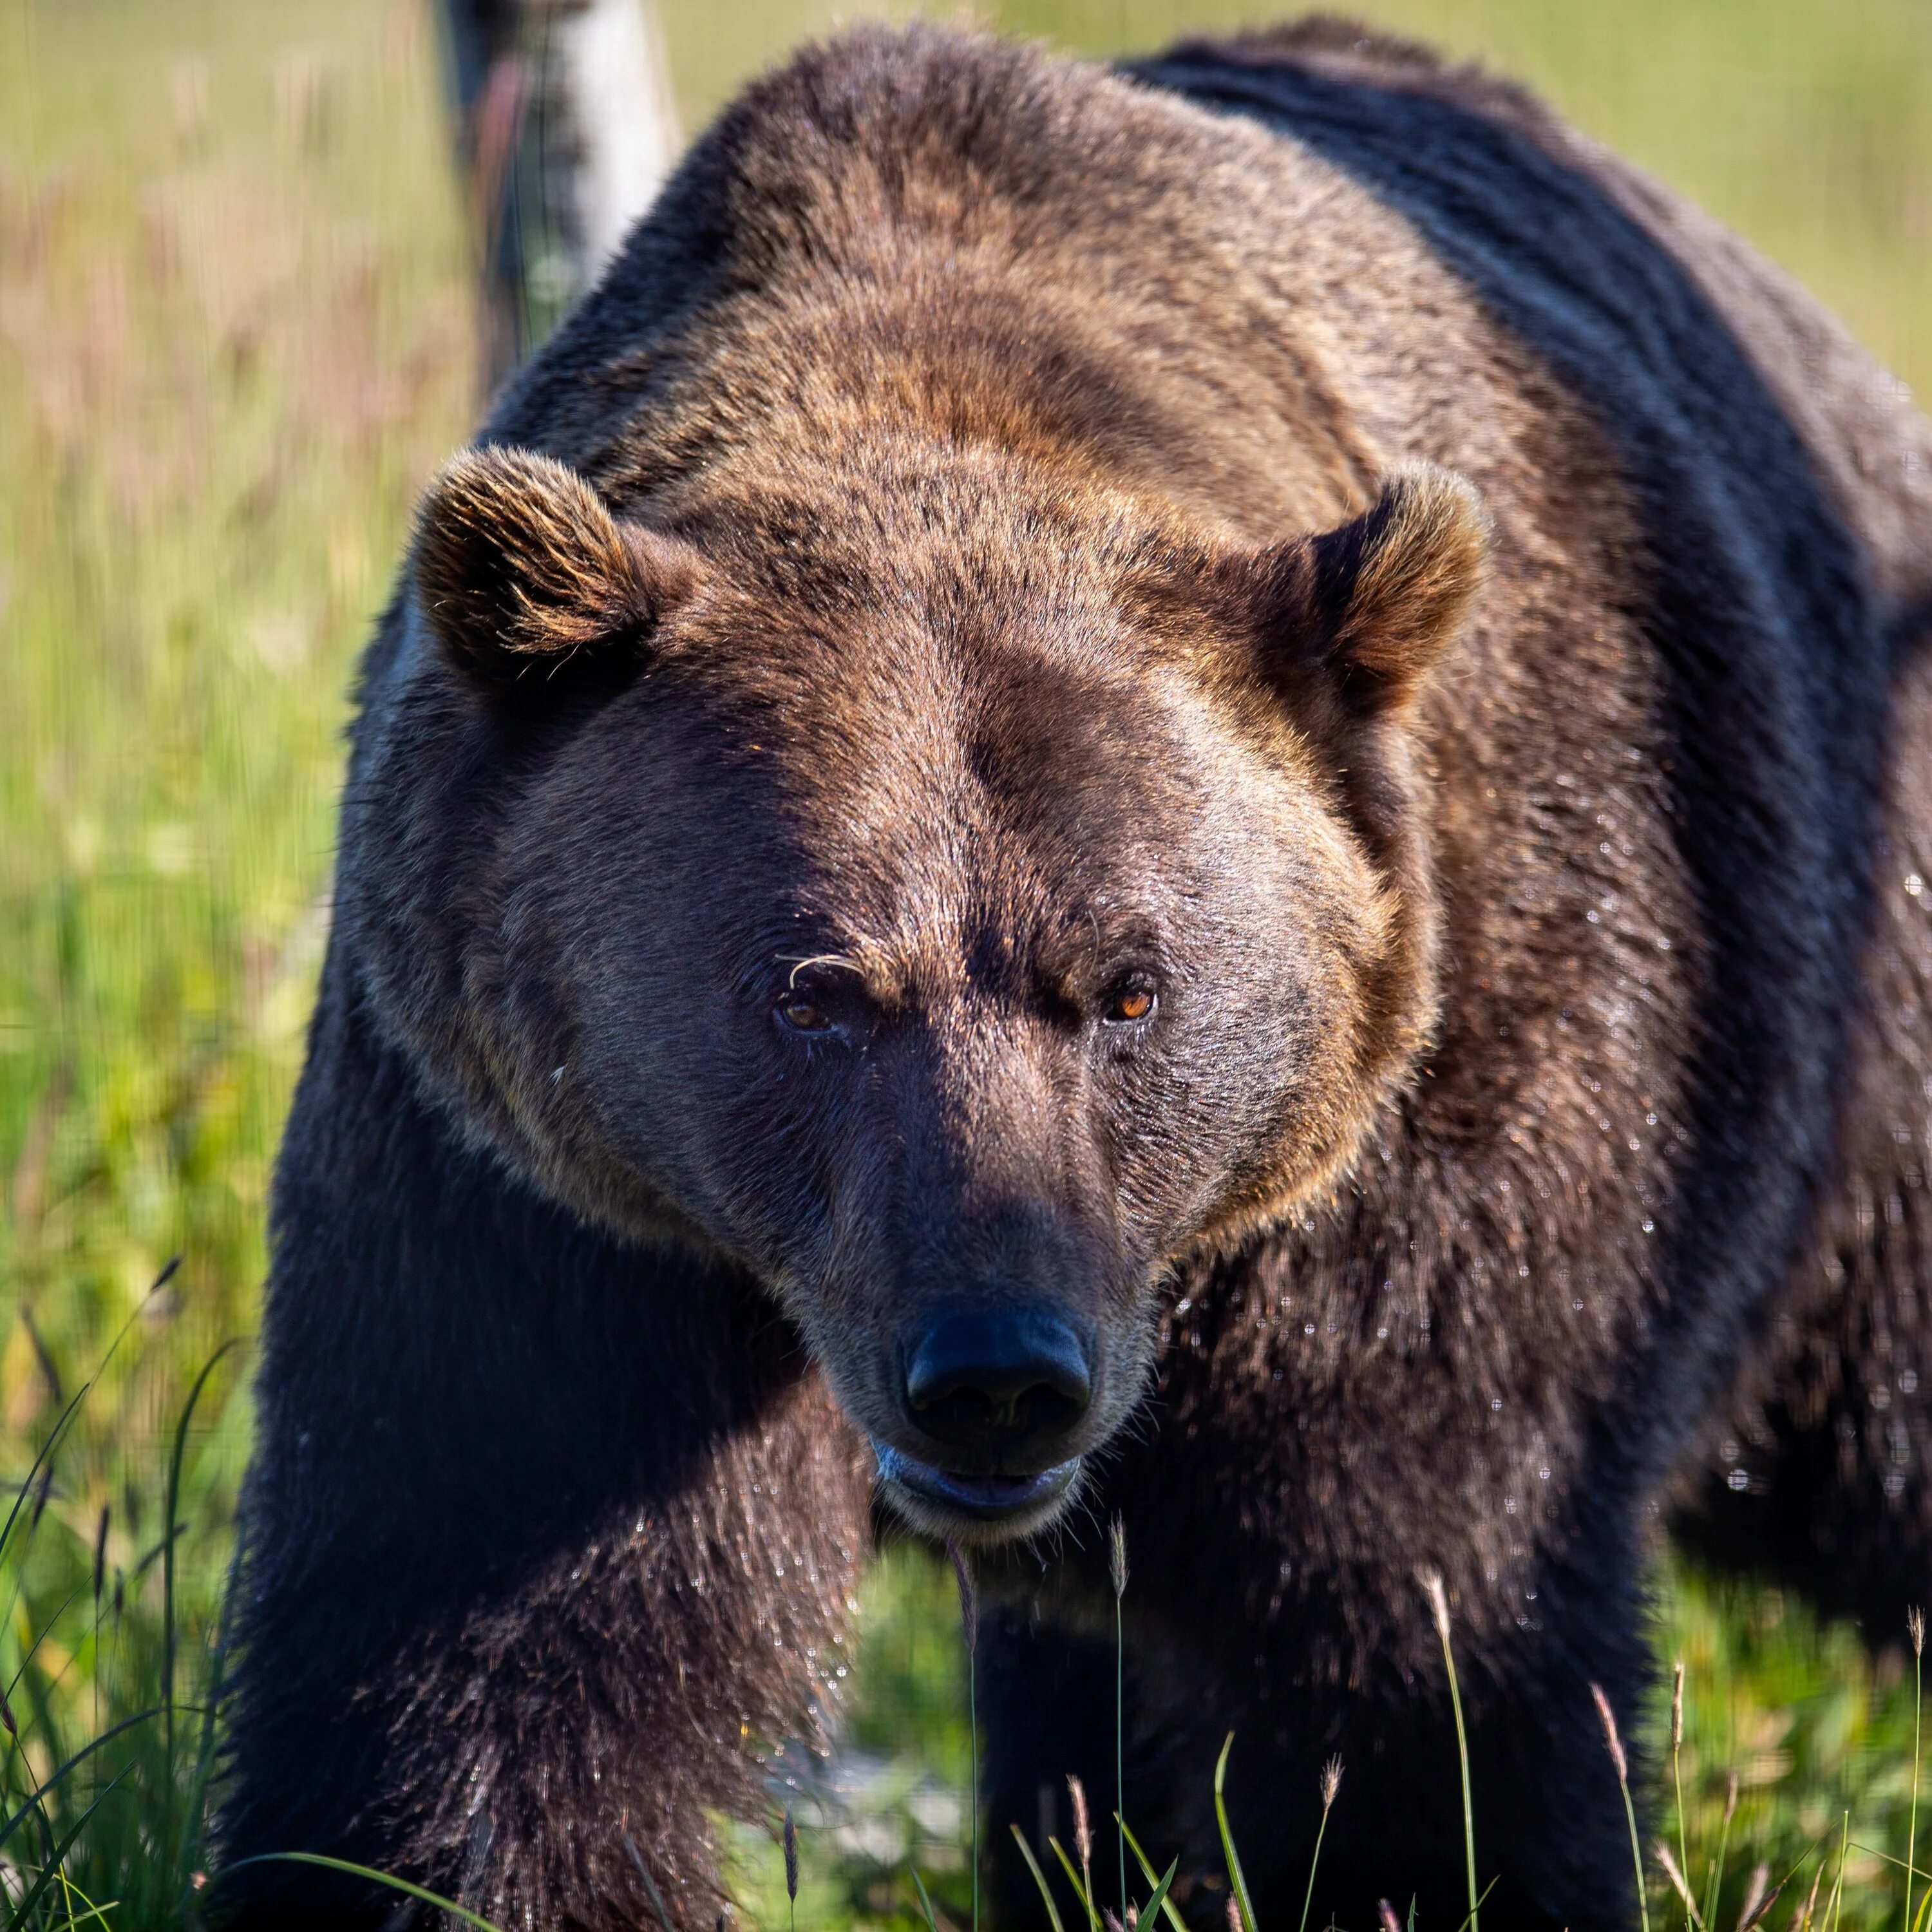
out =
column 799, row 1014
column 1130, row 1004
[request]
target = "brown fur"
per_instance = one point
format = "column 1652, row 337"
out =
column 1003, row 528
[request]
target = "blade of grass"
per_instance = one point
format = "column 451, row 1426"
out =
column 1116, row 1567
column 925, row 1903
column 1438, row 1603
column 1811, row 1898
column 1140, row 1858
column 1157, row 1898
column 1073, row 1878
column 1331, row 1780
column 401, row 1885
column 1834, row 1905
column 1468, row 1917
column 171, row 1518
column 1242, row 1903
column 1690, row 1913
column 22, row 1914
column 1916, row 1624
column 46, row 1449
column 1615, row 1745
column 1723, row 1851
column 1693, row 1916
column 20, row 1817
column 1886, row 1858
column 1038, row 1878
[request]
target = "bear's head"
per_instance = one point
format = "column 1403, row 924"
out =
column 953, row 890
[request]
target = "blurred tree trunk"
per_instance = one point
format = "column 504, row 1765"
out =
column 565, row 130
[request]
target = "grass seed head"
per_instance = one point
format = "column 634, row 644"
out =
column 791, row 1856
column 1385, row 1912
column 1915, row 1622
column 100, row 1555
column 1431, row 1581
column 1731, row 1799
column 1757, row 1898
column 1083, row 1832
column 1610, row 1737
column 1677, row 1705
column 1233, row 1914
column 969, row 1598
column 1116, row 1555
column 1331, row 1781
column 1681, row 1884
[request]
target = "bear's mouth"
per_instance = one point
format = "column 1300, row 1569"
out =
column 983, row 1499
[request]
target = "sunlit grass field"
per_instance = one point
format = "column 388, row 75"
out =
column 235, row 337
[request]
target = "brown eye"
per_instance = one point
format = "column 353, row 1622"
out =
column 803, row 1016
column 1130, row 1004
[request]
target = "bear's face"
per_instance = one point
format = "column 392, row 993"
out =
column 952, row 895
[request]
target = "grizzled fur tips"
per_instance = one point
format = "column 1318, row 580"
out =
column 1199, row 797
column 517, row 559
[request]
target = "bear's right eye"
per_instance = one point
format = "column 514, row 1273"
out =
column 802, row 1015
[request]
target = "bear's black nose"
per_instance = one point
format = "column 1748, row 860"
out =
column 1006, row 1382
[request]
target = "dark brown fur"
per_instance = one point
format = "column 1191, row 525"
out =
column 1001, row 528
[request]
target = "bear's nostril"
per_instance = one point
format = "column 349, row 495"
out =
column 999, row 1381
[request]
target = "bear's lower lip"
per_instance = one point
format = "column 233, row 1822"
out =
column 985, row 1498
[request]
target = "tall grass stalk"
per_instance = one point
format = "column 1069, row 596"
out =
column 1167, row 1905
column 1083, row 1844
column 1677, row 1783
column 969, row 1628
column 1240, row 1906
column 1331, row 1783
column 1622, row 1763
column 1038, row 1878
column 1811, row 1898
column 1693, row 1917
column 1717, row 1886
column 1438, row 1603
column 1116, row 1567
column 375, row 1877
column 791, row 1865
column 1914, row 1622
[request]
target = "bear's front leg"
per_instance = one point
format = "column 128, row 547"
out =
column 545, row 1535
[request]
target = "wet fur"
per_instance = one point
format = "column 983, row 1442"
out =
column 552, row 1514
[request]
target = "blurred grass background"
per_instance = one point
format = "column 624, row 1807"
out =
column 236, row 334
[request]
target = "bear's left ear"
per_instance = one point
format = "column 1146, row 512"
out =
column 519, row 565
column 1369, row 607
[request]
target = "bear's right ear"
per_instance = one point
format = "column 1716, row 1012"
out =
column 1367, row 609
column 519, row 567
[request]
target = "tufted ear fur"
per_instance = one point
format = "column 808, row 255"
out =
column 1373, row 605
column 519, row 566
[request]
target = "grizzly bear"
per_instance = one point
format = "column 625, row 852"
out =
column 1198, row 794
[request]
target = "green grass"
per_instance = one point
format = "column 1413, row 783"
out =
column 235, row 338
